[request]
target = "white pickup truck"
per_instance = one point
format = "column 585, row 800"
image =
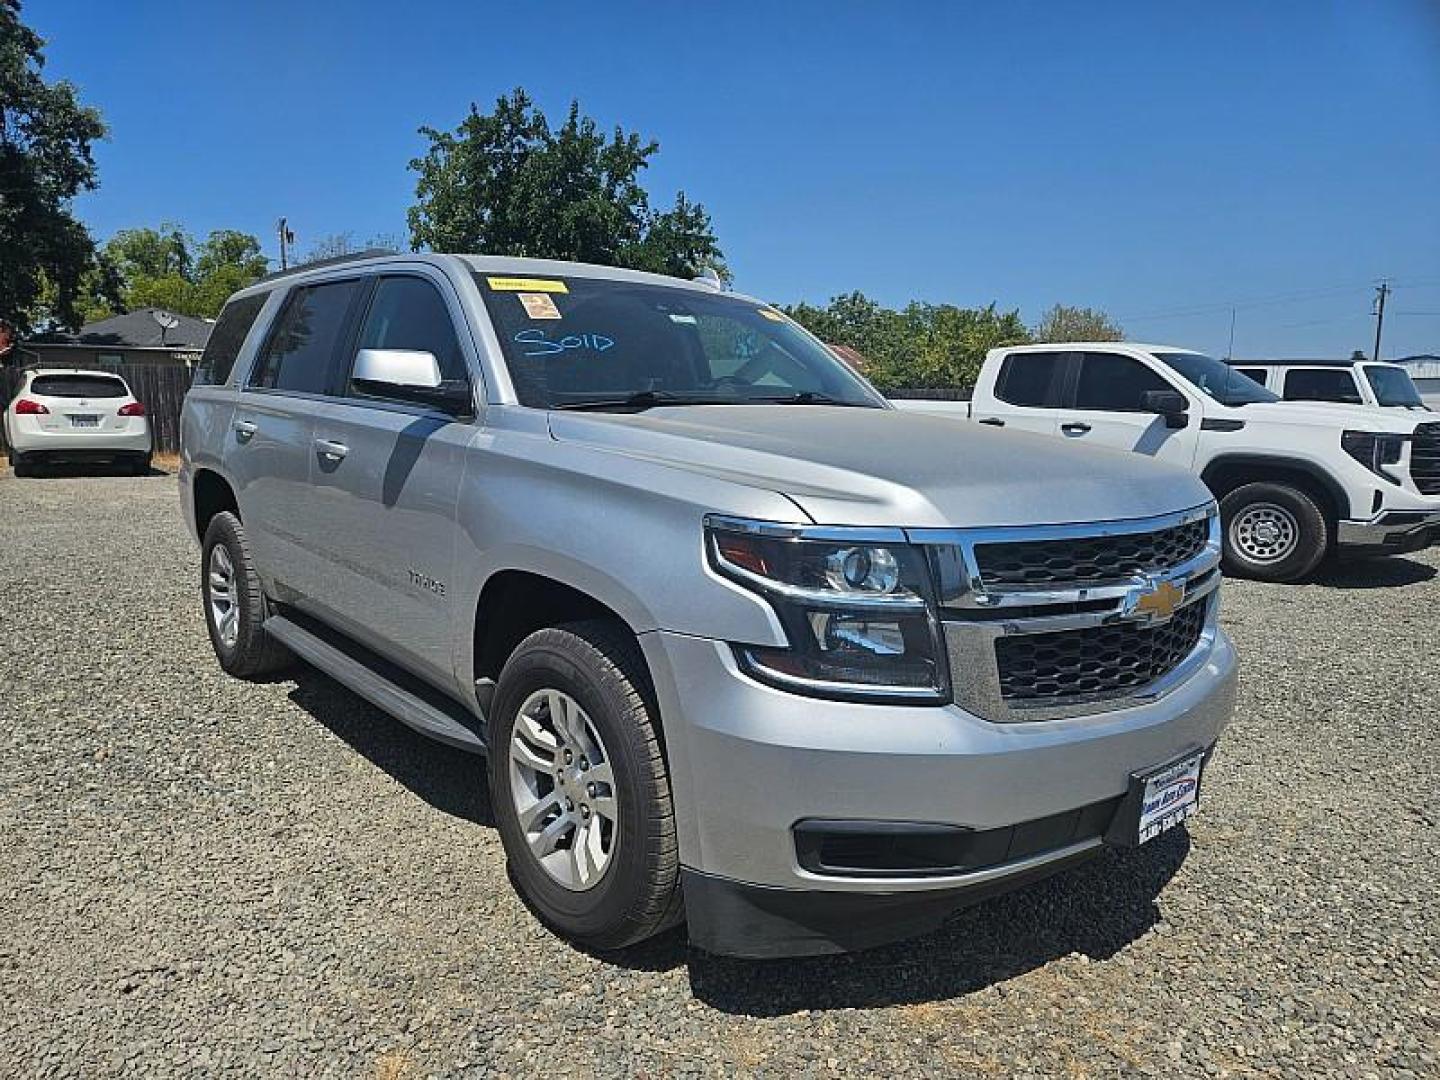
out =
column 1296, row 481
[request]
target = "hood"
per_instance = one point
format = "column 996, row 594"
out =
column 883, row 467
column 1337, row 416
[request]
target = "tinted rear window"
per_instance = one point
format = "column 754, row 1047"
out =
column 78, row 386
column 227, row 337
column 1305, row 384
column 300, row 352
column 1030, row 379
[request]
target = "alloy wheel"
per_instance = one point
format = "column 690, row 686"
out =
column 563, row 789
column 224, row 611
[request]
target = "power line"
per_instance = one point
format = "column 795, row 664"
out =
column 1221, row 306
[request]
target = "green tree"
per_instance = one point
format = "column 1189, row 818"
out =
column 504, row 182
column 165, row 268
column 45, row 161
column 1063, row 323
column 923, row 346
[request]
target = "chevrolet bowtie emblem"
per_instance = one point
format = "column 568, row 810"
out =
column 1153, row 601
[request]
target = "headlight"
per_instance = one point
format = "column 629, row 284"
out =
column 1374, row 450
column 856, row 606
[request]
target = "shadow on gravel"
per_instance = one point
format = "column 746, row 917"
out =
column 450, row 780
column 1380, row 573
column 1094, row 910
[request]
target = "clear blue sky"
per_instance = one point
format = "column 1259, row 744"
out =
column 1148, row 158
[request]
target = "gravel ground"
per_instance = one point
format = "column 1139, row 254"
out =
column 203, row 876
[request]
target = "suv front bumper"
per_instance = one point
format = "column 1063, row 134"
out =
column 749, row 763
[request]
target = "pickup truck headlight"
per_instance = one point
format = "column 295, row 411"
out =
column 1373, row 450
column 857, row 608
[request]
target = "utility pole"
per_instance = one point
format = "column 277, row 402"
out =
column 1381, row 292
column 286, row 238
column 1230, row 351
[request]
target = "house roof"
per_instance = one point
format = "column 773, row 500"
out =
column 138, row 330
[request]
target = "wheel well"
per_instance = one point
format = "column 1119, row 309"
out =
column 1224, row 477
column 516, row 603
column 212, row 495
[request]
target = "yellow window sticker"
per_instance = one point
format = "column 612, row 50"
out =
column 527, row 284
column 771, row 314
column 539, row 305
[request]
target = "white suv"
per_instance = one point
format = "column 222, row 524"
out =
column 71, row 415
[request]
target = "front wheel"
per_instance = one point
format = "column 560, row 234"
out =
column 1273, row 532
column 580, row 789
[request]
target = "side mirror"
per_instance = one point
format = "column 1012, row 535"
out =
column 408, row 375
column 1171, row 404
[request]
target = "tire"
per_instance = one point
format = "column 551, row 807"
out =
column 21, row 465
column 140, row 466
column 1273, row 532
column 252, row 654
column 636, row 894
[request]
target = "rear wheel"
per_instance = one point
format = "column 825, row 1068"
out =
column 580, row 789
column 21, row 464
column 235, row 605
column 1273, row 532
column 140, row 466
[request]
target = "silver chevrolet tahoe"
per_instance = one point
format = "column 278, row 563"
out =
column 742, row 645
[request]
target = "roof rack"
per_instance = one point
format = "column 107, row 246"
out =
column 334, row 260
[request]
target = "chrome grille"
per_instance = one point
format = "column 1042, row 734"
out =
column 1425, row 459
column 1101, row 660
column 1048, row 622
column 1100, row 558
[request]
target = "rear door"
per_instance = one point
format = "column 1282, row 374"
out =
column 1027, row 392
column 270, row 447
column 1105, row 394
column 386, row 480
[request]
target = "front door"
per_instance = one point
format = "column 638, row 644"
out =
column 1105, row 409
column 386, row 480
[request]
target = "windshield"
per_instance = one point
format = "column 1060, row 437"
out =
column 1393, row 387
column 1220, row 381
column 575, row 342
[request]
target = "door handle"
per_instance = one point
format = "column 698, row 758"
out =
column 1075, row 427
column 993, row 421
column 331, row 450
column 244, row 429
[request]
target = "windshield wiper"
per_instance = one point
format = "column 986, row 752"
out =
column 808, row 397
column 643, row 399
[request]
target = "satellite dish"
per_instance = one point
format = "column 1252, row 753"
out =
column 165, row 319
column 709, row 277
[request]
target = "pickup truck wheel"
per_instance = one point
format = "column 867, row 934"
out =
column 1273, row 532
column 22, row 467
column 235, row 605
column 579, row 787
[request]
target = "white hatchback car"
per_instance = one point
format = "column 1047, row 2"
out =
column 71, row 415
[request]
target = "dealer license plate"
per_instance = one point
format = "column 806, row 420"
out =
column 84, row 421
column 1170, row 795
